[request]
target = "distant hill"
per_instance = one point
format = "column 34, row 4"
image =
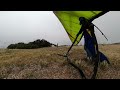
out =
column 31, row 45
column 117, row 43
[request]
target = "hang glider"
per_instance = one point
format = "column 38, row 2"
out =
column 70, row 21
column 78, row 24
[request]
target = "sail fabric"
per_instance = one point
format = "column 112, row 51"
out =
column 71, row 23
column 90, row 47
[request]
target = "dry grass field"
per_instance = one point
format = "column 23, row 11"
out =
column 44, row 63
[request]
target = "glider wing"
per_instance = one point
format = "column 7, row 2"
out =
column 70, row 21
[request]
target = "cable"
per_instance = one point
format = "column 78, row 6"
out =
column 100, row 31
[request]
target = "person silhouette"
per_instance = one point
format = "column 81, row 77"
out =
column 90, row 41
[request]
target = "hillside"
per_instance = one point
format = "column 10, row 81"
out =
column 44, row 63
column 31, row 45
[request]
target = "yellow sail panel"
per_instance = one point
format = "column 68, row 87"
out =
column 70, row 21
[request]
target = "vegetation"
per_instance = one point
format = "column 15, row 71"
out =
column 44, row 63
column 31, row 45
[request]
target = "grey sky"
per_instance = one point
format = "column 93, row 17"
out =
column 110, row 25
column 26, row 26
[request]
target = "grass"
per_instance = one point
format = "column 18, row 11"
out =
column 44, row 63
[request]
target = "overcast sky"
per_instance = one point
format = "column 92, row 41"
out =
column 27, row 26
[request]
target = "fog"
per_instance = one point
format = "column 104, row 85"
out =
column 27, row 26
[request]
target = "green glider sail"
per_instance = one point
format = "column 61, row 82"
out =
column 70, row 21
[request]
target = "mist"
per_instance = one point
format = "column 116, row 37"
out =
column 27, row 26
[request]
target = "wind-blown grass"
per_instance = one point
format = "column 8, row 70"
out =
column 44, row 63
